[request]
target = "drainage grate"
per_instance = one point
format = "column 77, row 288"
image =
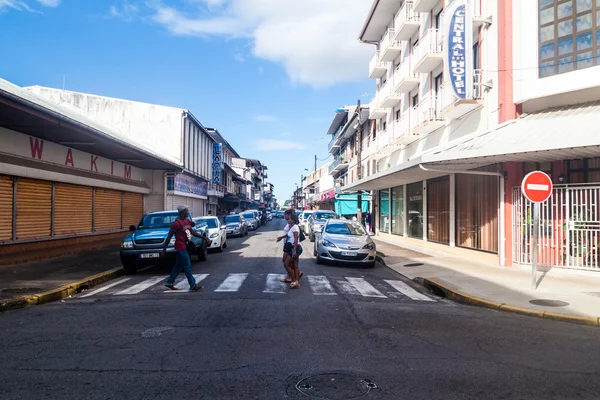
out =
column 335, row 386
column 549, row 303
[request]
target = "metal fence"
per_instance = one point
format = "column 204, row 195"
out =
column 569, row 228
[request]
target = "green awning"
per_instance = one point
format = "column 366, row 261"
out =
column 346, row 204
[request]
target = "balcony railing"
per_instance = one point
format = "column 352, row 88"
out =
column 407, row 22
column 405, row 79
column 389, row 48
column 452, row 107
column 426, row 116
column 427, row 54
column 375, row 110
column 338, row 165
column 377, row 68
column 424, row 5
column 216, row 190
column 387, row 96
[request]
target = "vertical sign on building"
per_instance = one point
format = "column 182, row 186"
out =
column 459, row 51
column 217, row 165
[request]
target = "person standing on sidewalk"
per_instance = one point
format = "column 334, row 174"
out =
column 183, row 231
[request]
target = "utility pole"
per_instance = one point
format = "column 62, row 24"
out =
column 359, row 169
column 315, row 163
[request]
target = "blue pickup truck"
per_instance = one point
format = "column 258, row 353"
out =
column 143, row 246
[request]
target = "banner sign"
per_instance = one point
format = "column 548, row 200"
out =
column 217, row 165
column 457, row 52
column 191, row 185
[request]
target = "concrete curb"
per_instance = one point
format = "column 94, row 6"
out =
column 465, row 298
column 60, row 292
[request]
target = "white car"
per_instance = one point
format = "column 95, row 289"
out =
column 216, row 231
column 304, row 220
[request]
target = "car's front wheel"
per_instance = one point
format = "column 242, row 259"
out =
column 319, row 259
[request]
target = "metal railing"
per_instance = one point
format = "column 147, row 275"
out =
column 405, row 14
column 388, row 40
column 448, row 97
column 428, row 44
column 376, row 63
column 338, row 161
column 427, row 110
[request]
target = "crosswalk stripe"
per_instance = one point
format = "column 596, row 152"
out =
column 103, row 288
column 232, row 283
column 321, row 286
column 365, row 288
column 274, row 285
column 140, row 286
column 407, row 290
column 183, row 284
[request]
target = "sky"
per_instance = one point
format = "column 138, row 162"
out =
column 268, row 74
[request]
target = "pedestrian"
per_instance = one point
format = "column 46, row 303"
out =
column 292, row 249
column 183, row 231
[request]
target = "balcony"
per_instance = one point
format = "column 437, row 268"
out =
column 242, row 196
column 474, row 7
column 424, row 5
column 389, row 48
column 405, row 79
column 389, row 98
column 338, row 165
column 377, row 68
column 216, row 190
column 402, row 132
column 407, row 22
column 454, row 107
column 375, row 111
column 427, row 54
column 426, row 118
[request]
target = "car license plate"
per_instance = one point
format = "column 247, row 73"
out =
column 150, row 255
column 229, row 231
column 349, row 253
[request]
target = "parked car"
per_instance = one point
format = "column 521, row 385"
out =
column 257, row 216
column 304, row 220
column 144, row 245
column 269, row 216
column 216, row 231
column 279, row 214
column 236, row 225
column 345, row 241
column 250, row 218
column 316, row 221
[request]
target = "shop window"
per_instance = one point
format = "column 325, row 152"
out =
column 384, row 211
column 584, row 170
column 438, row 210
column 171, row 183
column 398, row 210
column 414, row 192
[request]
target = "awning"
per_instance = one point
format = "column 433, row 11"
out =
column 347, row 204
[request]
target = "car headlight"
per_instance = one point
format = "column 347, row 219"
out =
column 369, row 246
column 214, row 235
column 172, row 241
column 327, row 243
column 127, row 244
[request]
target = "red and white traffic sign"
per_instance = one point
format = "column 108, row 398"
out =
column 537, row 186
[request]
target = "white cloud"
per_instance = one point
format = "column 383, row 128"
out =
column 21, row 5
column 314, row 40
column 277, row 145
column 125, row 11
column 49, row 3
column 265, row 118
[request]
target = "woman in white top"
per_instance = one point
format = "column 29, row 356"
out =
column 292, row 249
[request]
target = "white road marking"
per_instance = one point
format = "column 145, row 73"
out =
column 346, row 287
column 274, row 285
column 407, row 290
column 365, row 288
column 321, row 286
column 103, row 288
column 536, row 186
column 140, row 286
column 232, row 283
column 183, row 284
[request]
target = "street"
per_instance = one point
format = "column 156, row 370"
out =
column 345, row 333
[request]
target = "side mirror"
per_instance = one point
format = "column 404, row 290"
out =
column 132, row 228
column 223, row 227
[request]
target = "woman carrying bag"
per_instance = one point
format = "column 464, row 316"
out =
column 292, row 249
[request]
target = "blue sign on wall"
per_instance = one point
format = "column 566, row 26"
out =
column 191, row 185
column 217, row 165
column 457, row 52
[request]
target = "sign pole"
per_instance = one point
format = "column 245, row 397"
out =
column 534, row 250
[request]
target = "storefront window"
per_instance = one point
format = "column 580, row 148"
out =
column 398, row 210
column 438, row 210
column 384, row 211
column 414, row 193
column 477, row 212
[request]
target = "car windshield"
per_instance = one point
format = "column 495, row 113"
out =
column 210, row 222
column 306, row 214
column 155, row 221
column 346, row 228
column 232, row 218
column 248, row 215
column 321, row 215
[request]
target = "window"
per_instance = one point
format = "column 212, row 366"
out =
column 384, row 210
column 584, row 170
column 476, row 56
column 438, row 85
column 414, row 192
column 171, row 183
column 384, row 126
column 569, row 35
column 398, row 210
column 438, row 20
column 438, row 210
column 397, row 115
column 415, row 100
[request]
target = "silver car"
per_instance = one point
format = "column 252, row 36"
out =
column 316, row 221
column 251, row 220
column 345, row 242
column 304, row 220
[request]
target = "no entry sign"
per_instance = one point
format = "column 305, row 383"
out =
column 537, row 186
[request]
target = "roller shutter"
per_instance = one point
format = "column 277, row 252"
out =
column 133, row 209
column 72, row 209
column 34, row 209
column 107, row 210
column 6, row 207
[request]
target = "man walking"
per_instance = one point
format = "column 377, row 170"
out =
column 183, row 231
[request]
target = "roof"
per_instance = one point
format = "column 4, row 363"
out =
column 378, row 18
column 217, row 137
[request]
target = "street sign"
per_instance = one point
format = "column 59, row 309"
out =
column 537, row 186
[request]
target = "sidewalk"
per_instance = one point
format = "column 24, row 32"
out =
column 575, row 295
column 52, row 279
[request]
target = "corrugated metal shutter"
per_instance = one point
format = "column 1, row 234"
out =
column 133, row 208
column 6, row 207
column 34, row 209
column 107, row 210
column 175, row 201
column 72, row 209
column 154, row 202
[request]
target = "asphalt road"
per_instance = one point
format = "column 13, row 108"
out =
column 346, row 333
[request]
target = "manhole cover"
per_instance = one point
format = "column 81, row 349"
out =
column 549, row 303
column 414, row 265
column 335, row 386
column 155, row 332
column 20, row 290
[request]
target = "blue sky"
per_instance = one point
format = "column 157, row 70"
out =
column 268, row 74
